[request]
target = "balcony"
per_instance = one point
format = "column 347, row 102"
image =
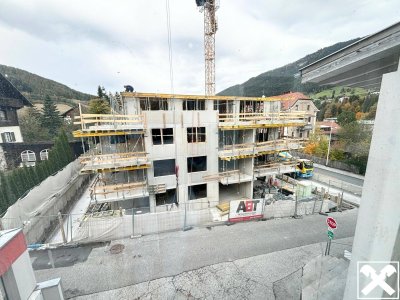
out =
column 117, row 192
column 308, row 126
column 274, row 168
column 262, row 120
column 229, row 177
column 238, row 151
column 114, row 162
column 108, row 124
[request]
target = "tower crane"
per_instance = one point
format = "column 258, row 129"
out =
column 209, row 7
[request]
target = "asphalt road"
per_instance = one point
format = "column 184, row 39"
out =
column 338, row 176
column 157, row 256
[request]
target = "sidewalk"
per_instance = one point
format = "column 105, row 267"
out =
column 339, row 171
column 147, row 259
column 247, row 278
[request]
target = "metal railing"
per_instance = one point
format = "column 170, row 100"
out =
column 263, row 119
column 114, row 160
column 90, row 122
column 261, row 147
column 117, row 192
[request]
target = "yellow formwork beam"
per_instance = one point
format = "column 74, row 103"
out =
column 79, row 133
column 253, row 126
column 117, row 169
column 160, row 96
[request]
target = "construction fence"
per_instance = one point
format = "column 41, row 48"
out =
column 109, row 225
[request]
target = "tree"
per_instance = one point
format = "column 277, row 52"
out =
column 346, row 117
column 51, row 117
column 31, row 127
column 372, row 112
column 317, row 144
column 5, row 196
column 356, row 141
column 322, row 148
column 317, row 103
column 100, row 92
column 359, row 115
column 334, row 110
column 99, row 106
column 328, row 112
column 333, row 94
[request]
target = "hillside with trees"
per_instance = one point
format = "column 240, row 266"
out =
column 35, row 88
column 283, row 79
column 360, row 106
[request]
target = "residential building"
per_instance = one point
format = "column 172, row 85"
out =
column 10, row 101
column 66, row 112
column 157, row 151
column 329, row 128
column 296, row 101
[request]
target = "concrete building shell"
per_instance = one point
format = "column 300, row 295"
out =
column 162, row 149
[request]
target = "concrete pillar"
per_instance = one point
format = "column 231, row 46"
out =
column 210, row 104
column 377, row 232
column 152, row 202
column 176, row 104
column 236, row 109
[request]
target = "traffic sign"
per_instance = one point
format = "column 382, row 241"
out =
column 330, row 234
column 331, row 223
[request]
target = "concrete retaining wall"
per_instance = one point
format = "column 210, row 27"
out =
column 39, row 228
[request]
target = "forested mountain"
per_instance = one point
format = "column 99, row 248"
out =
column 35, row 88
column 283, row 79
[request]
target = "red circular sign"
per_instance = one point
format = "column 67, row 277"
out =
column 331, row 223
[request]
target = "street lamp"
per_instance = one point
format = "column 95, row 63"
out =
column 329, row 144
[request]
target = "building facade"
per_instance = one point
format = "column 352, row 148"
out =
column 10, row 133
column 296, row 101
column 10, row 101
column 158, row 152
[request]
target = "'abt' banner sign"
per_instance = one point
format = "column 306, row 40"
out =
column 243, row 210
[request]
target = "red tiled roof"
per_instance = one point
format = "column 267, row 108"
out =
column 289, row 99
column 335, row 126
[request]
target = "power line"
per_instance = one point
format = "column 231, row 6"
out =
column 171, row 69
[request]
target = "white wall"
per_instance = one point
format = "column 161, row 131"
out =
column 377, row 232
column 180, row 150
column 24, row 276
column 312, row 112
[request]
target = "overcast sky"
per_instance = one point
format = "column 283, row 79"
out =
column 84, row 43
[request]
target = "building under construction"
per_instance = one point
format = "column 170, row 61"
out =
column 161, row 150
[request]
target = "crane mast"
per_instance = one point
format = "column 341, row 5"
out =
column 209, row 7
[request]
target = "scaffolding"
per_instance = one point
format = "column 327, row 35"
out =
column 114, row 150
column 249, row 132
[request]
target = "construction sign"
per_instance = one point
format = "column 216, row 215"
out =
column 244, row 210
